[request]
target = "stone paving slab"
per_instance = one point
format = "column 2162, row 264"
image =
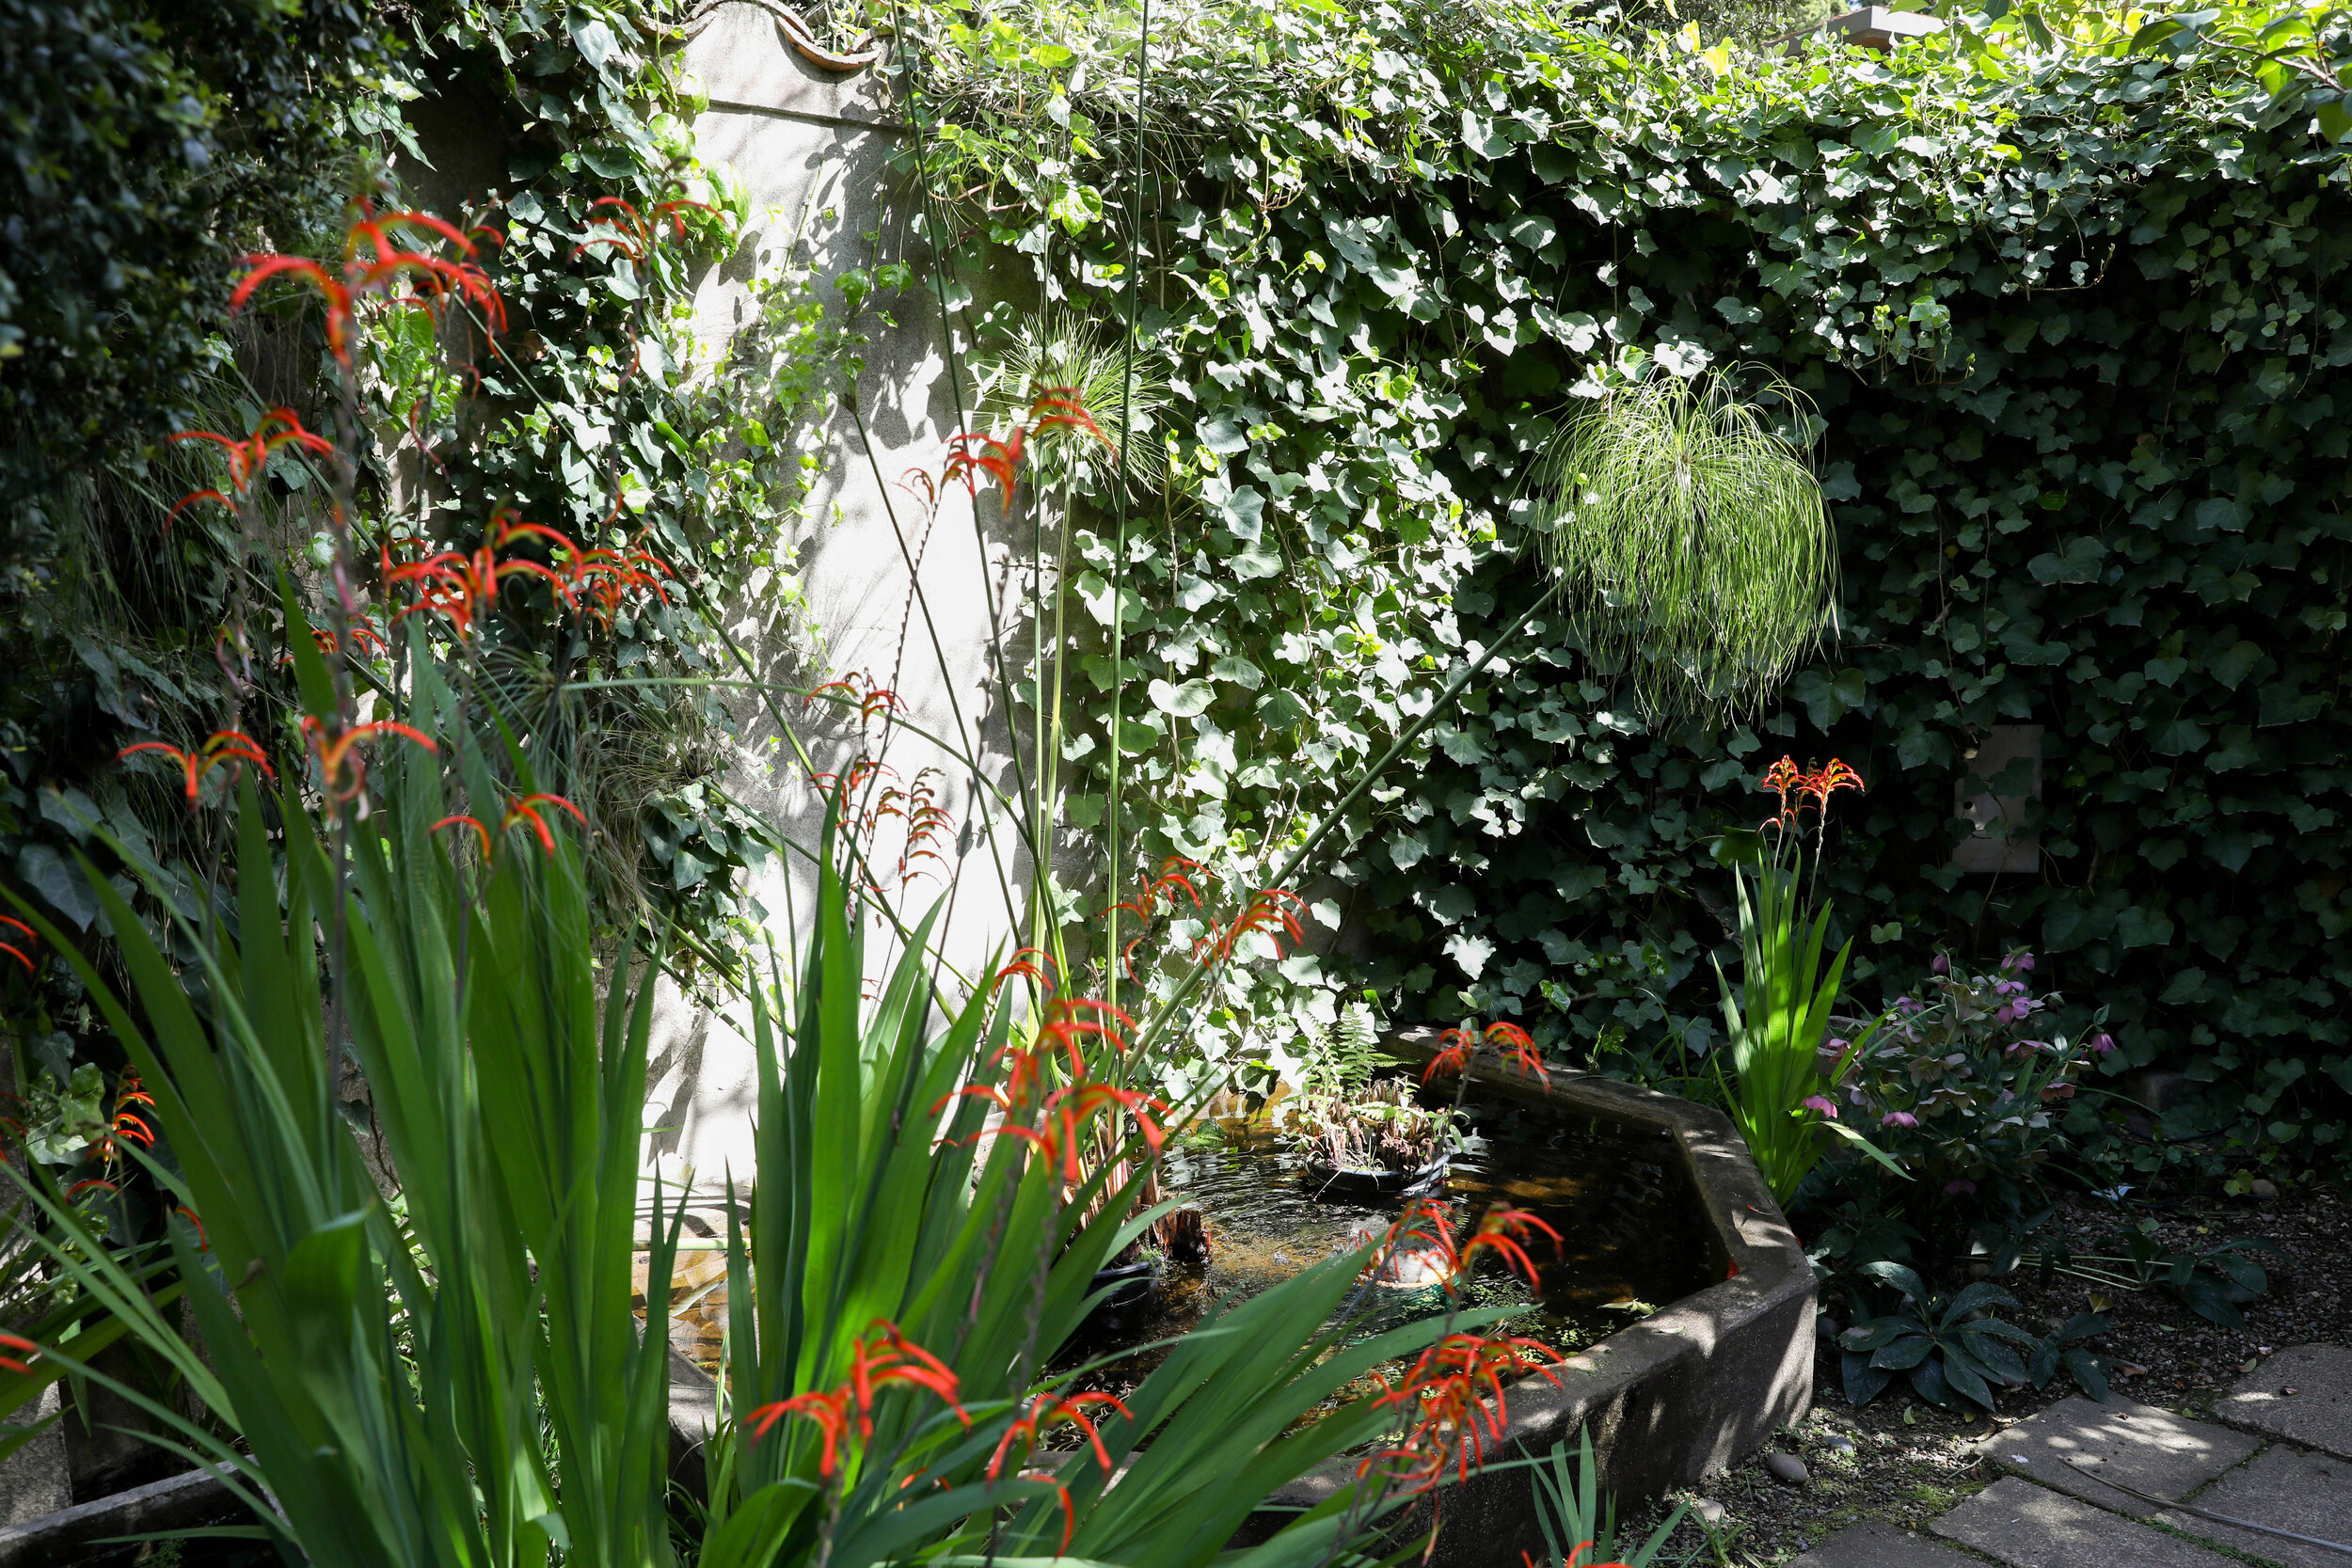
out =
column 2309, row 1493
column 1875, row 1544
column 2318, row 1414
column 2028, row 1527
column 2142, row 1446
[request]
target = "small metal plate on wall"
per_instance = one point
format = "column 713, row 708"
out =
column 2005, row 773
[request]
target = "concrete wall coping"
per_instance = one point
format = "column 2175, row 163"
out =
column 1684, row 1393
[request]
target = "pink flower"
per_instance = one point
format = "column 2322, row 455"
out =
column 1905, row 1004
column 1956, row 1187
column 1899, row 1119
column 1817, row 1103
column 2025, row 1045
column 1943, row 965
column 2100, row 1042
column 2009, row 988
column 2020, row 961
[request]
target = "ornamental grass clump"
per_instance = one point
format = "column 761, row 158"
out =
column 1693, row 540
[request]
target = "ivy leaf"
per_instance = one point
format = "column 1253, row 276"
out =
column 1225, row 438
column 1188, row 700
column 1483, row 138
column 1235, row 667
column 596, row 42
column 1278, row 709
column 63, row 886
column 2235, row 663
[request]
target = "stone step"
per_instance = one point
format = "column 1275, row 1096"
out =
column 2151, row 1450
column 1875, row 1544
column 2302, row 1394
column 2031, row 1527
column 2288, row 1489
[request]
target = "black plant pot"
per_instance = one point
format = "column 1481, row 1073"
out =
column 1371, row 1181
column 1132, row 1287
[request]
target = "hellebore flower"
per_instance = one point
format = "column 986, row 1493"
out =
column 1943, row 965
column 1899, row 1119
column 1826, row 1106
column 2020, row 961
column 2009, row 988
column 2101, row 1042
column 1956, row 1188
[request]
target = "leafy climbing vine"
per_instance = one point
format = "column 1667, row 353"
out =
column 2073, row 318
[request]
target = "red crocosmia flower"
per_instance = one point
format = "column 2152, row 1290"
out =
column 31, row 937
column 606, row 577
column 829, row 1409
column 249, row 455
column 341, row 770
column 1820, row 786
column 221, row 749
column 1454, row 1394
column 526, row 809
column 1059, row 408
column 1046, row 1410
column 374, row 262
column 23, row 1351
column 1453, row 1053
column 80, row 1187
column 1272, row 911
column 1521, row 1047
column 1782, row 777
column 971, row 456
column 919, row 484
column 1422, row 1227
column 203, row 1243
column 480, row 833
column 1034, row 962
column 364, row 637
column 1067, row 1019
column 632, row 234
column 463, row 586
column 1500, row 1231
column 884, row 1357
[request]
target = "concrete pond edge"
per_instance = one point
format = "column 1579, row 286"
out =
column 1684, row 1394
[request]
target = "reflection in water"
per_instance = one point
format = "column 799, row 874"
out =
column 1631, row 1238
column 1630, row 1233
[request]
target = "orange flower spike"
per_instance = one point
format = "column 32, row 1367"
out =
column 525, row 810
column 1820, row 786
column 1048, row 1409
column 1059, row 408
column 31, row 938
column 829, row 1411
column 1521, row 1045
column 343, row 772
column 1452, row 1058
column 480, row 833
column 1499, row 1230
column 1021, row 964
column 17, row 1343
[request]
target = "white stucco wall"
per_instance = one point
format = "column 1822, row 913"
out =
column 812, row 146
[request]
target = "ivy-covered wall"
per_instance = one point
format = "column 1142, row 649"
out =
column 2074, row 323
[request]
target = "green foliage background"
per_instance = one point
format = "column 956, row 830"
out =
column 2074, row 320
column 164, row 142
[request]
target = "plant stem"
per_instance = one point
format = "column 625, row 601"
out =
column 1114, row 869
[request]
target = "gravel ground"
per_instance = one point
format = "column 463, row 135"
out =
column 1906, row 1461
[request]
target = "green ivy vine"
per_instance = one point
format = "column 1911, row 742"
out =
column 2074, row 320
